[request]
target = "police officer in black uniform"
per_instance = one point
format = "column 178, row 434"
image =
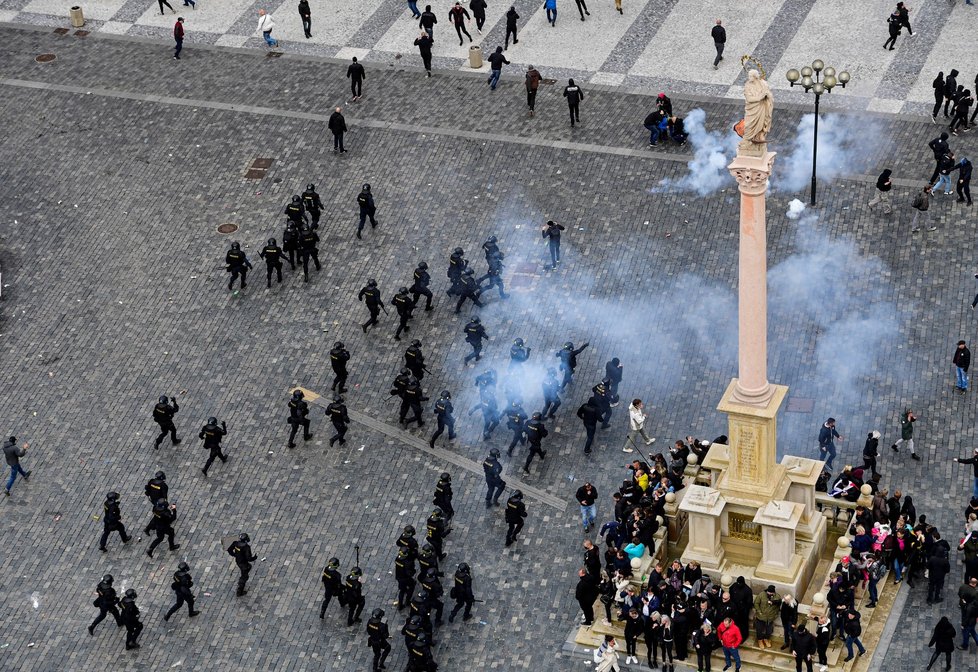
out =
column 371, row 295
column 420, row 287
column 353, row 596
column 552, row 231
column 486, row 382
column 272, row 254
column 421, row 607
column 377, row 636
column 404, row 571
column 468, row 288
column 298, row 417
column 106, row 601
column 405, row 306
column 163, row 414
column 240, row 550
column 112, row 521
column 602, row 399
column 515, row 513
column 515, row 421
column 308, row 249
column 589, row 413
column 367, row 209
column 435, row 591
column 164, row 515
column 312, row 203
column 338, row 357
column 443, row 497
column 443, row 413
column 462, row 593
column 456, row 264
column 332, row 584
column 290, row 242
column 427, row 559
column 407, row 541
column 296, row 212
column 495, row 277
column 535, row 432
column 414, row 359
column 613, row 374
column 182, row 583
column 494, row 483
column 551, row 394
column 491, row 249
column 568, row 361
column 419, row 655
column 336, row 412
column 414, row 396
column 474, row 335
column 130, row 619
column 156, row 489
column 237, row 264
column 398, row 389
column 518, row 354
column 435, row 526
column 411, row 630
column 212, row 436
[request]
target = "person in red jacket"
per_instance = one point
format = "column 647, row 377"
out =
column 178, row 38
column 730, row 639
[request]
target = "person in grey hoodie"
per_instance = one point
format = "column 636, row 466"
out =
column 13, row 454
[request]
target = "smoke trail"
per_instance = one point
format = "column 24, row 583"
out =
column 712, row 153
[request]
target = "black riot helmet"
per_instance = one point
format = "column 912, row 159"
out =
column 183, row 567
column 423, row 595
column 423, row 265
column 427, row 549
column 235, row 246
column 402, row 290
column 494, row 452
column 459, row 251
column 131, row 594
column 568, row 346
column 491, row 239
column 163, row 399
column 436, row 513
column 463, row 567
column 310, row 187
column 107, row 579
column 112, row 496
column 244, row 538
column 416, row 343
column 421, row 639
column 296, row 198
column 366, row 187
column 271, row 241
column 445, row 477
column 468, row 271
column 377, row 613
column 405, row 371
column 371, row 283
column 415, row 622
column 212, row 420
column 356, row 571
column 338, row 398
column 297, row 394
column 476, row 319
column 408, row 530
column 339, row 345
column 518, row 494
column 291, row 225
column 430, row 575
column 333, row 563
column 445, row 394
column 518, row 342
column 160, row 475
column 537, row 415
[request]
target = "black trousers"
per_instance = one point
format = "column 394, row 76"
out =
column 103, row 612
column 938, row 99
column 215, row 453
column 964, row 190
column 480, row 20
column 374, row 312
column 340, row 436
column 494, row 491
column 490, row 420
column 472, row 296
column 588, row 609
column 166, row 428
column 181, row 598
column 132, row 633
column 517, row 438
column 934, row 656
column 703, row 660
column 590, row 437
column 514, row 529
column 511, row 29
column 459, row 604
column 582, row 8
column 381, row 650
column 550, row 407
column 356, row 87
column 476, row 353
column 245, row 569
column 339, row 379
column 107, row 530
column 405, row 591
column 277, row 267
column 296, row 424
column 164, row 2
column 327, row 598
column 235, row 272
column 292, row 252
column 338, row 141
column 443, row 422
column 354, row 609
column 460, row 28
column 799, row 661
column 160, row 533
column 531, row 98
column 427, row 62
column 890, row 42
column 575, row 112
column 534, row 450
column 305, row 255
column 307, row 25
column 554, row 251
column 364, row 214
column 417, row 291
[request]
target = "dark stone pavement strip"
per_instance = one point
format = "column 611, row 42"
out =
column 642, row 32
column 913, row 51
column 123, row 298
column 779, row 34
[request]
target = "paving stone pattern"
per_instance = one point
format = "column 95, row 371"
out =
column 109, row 210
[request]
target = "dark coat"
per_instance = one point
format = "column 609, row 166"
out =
column 943, row 637
column 337, row 124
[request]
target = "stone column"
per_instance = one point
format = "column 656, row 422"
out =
column 751, row 173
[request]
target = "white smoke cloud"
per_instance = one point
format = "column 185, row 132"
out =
column 712, row 153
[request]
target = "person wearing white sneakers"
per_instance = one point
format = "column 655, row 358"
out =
column 634, row 627
column 636, row 424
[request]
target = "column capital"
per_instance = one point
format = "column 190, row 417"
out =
column 752, row 172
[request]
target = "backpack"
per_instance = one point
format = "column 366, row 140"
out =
column 877, row 570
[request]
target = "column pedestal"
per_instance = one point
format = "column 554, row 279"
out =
column 703, row 506
column 779, row 562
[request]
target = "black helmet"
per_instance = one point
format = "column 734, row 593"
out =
column 409, row 530
column 517, row 494
column 371, row 283
column 430, row 575
column 160, row 475
column 338, row 344
column 494, row 452
column 290, row 225
column 537, row 415
column 405, row 371
column 131, row 594
column 518, row 342
column 310, row 187
column 112, row 496
column 421, row 639
column 338, row 398
column 366, row 187
column 413, row 381
column 468, row 271
column 415, row 622
column 436, row 513
column 568, row 346
column 244, row 537
column 377, row 613
column 296, row 198
column 183, row 567
column 476, row 319
column 427, row 549
column 423, row 594
column 445, row 394
column 107, row 578
column 163, row 399
column 271, row 241
column 235, row 246
column 402, row 290
column 333, row 563
column 491, row 239
column 463, row 567
column 459, row 251
column 212, row 420
column 403, row 552
column 356, row 571
column 423, row 265
column 445, row 476
column 416, row 343
column 297, row 394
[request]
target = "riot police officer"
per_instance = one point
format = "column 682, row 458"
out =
column 377, row 636
column 336, row 412
column 164, row 515
column 494, row 483
column 298, row 417
column 435, row 526
column 371, row 295
column 518, row 354
column 419, row 655
column 414, row 359
column 353, row 596
column 130, row 619
column 237, row 264
column 443, row 497
column 272, row 254
column 182, row 583
column 432, row 585
column 407, row 541
column 404, row 306
column 421, row 607
column 212, row 436
column 613, row 374
column 427, row 559
column 398, row 389
column 568, row 361
column 290, row 242
column 515, row 513
column 602, row 399
column 296, row 212
column 163, row 414
column 468, row 288
column 491, row 249
column 312, row 203
column 332, row 584
column 551, row 394
column 462, row 593
column 365, row 200
column 420, row 287
column 106, row 601
column 156, row 489
column 486, row 382
column 308, row 249
column 456, row 264
column 411, row 630
column 474, row 335
column 404, row 571
column 112, row 521
column 414, row 396
column 535, row 432
column 240, row 550
column 515, row 419
column 443, row 413
column 338, row 357
column 495, row 277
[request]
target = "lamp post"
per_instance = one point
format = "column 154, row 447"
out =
column 817, row 79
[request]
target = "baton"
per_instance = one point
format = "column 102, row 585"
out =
column 357, row 547
column 384, row 309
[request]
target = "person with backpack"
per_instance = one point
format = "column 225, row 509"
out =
column 532, row 84
column 875, row 569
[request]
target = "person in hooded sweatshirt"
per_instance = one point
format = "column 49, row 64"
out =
column 574, row 95
column 883, row 187
column 496, row 62
column 938, row 86
column 943, row 642
column 964, row 180
column 950, row 88
column 940, row 147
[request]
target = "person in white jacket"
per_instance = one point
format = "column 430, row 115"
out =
column 606, row 655
column 265, row 25
column 636, row 424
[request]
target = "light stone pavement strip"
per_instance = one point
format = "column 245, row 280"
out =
column 116, row 294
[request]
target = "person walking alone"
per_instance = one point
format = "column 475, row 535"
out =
column 943, row 642
column 511, row 18
column 178, row 38
column 551, row 7
column 337, row 126
column 582, row 8
column 265, row 26
column 719, row 35
column 921, row 207
column 636, row 426
column 164, row 2
column 938, row 86
column 478, row 8
column 574, row 95
column 961, row 361
column 496, row 62
column 423, row 43
column 458, row 17
column 532, row 84
column 306, row 15
column 13, row 454
column 883, row 186
column 356, row 75
column 826, row 441
column 964, row 181
column 906, row 433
